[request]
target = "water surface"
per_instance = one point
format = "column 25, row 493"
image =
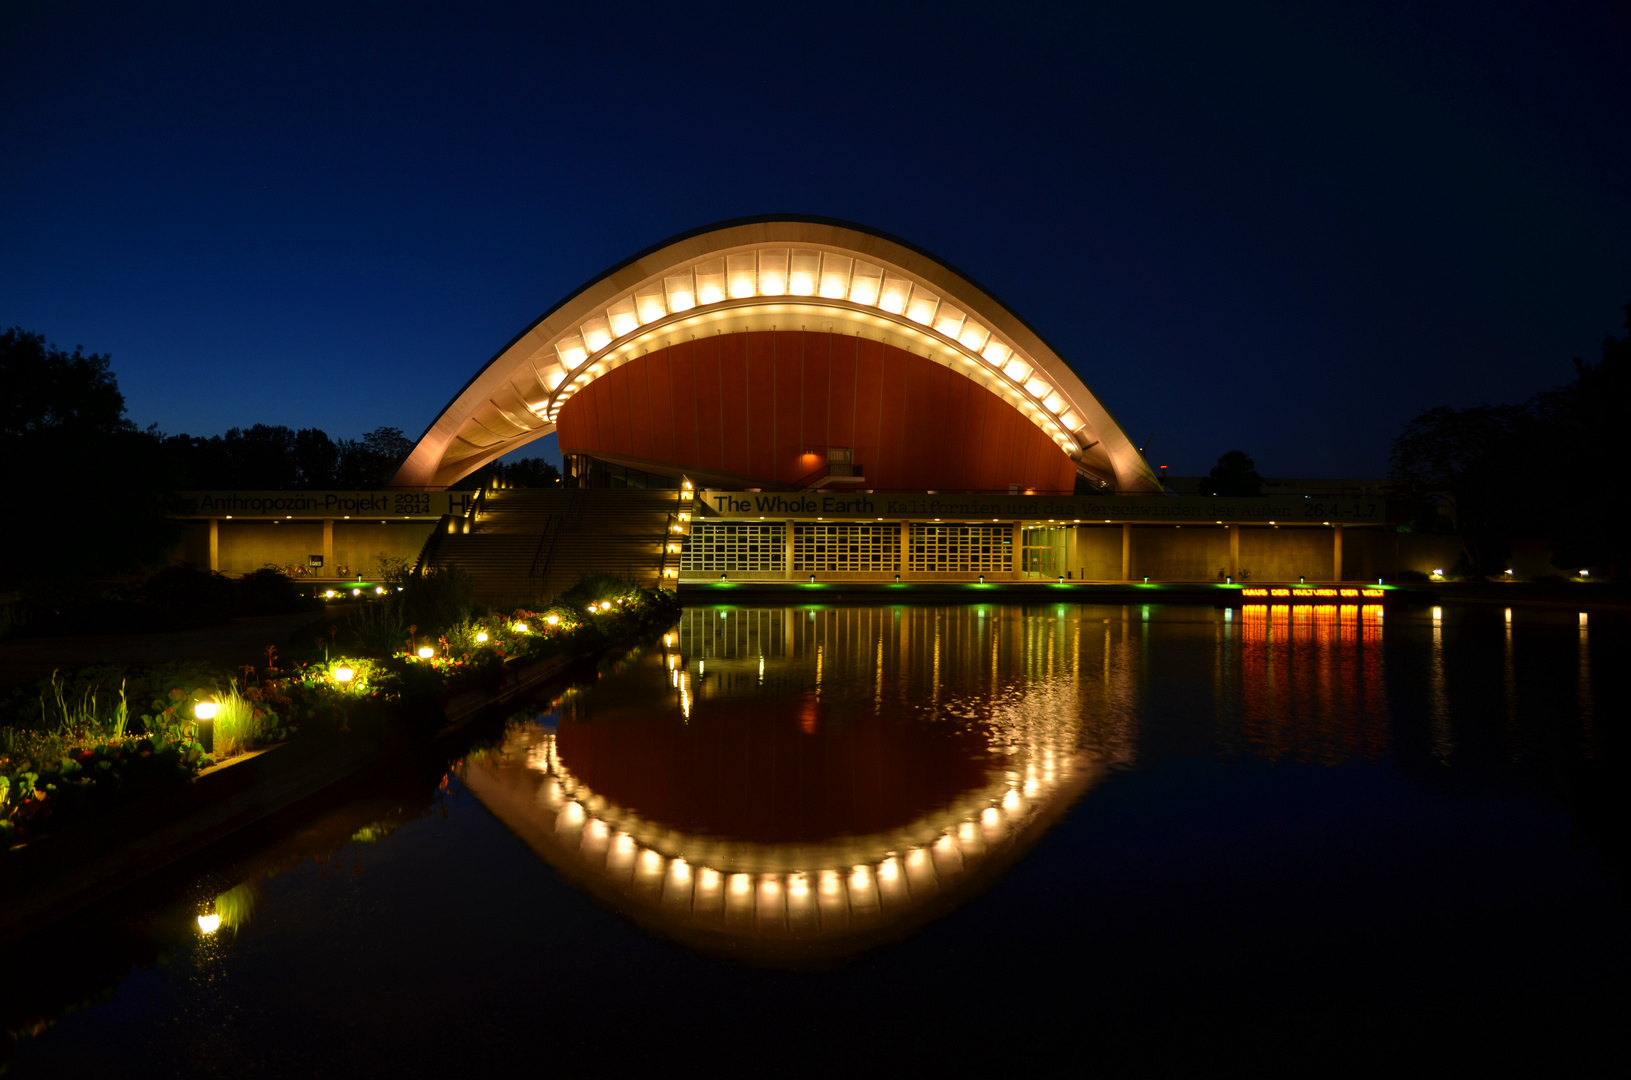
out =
column 931, row 834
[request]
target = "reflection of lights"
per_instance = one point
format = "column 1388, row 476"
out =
column 965, row 832
column 708, row 879
column 798, row 887
column 740, row 884
column 989, row 817
column 1010, row 801
column 681, row 869
column 596, row 829
column 829, row 882
column 624, row 844
column 573, row 812
column 916, row 858
column 888, row 870
column 945, row 845
column 650, row 861
column 210, row 923
column 860, row 879
column 769, row 885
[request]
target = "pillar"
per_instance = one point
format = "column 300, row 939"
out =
column 328, row 547
column 1234, row 552
column 1017, row 546
column 1127, row 551
column 787, row 560
column 1336, row 553
column 905, row 547
column 215, row 544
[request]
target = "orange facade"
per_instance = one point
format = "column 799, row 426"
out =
column 767, row 405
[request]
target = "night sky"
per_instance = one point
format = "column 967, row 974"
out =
column 1282, row 228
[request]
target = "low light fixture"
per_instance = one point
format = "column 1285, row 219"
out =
column 344, row 674
column 210, row 923
column 426, row 652
column 481, row 636
column 521, row 627
column 204, row 712
column 356, row 592
column 552, row 619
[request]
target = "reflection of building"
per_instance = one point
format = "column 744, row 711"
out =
column 1312, row 681
column 690, row 821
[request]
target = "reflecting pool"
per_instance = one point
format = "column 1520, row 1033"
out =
column 926, row 834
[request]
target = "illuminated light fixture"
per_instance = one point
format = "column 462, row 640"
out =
column 772, row 273
column 996, row 353
column 1037, row 387
column 1016, row 369
column 426, row 652
column 949, row 321
column 597, row 334
column 552, row 619
column 739, row 275
column 572, row 352
column 895, row 296
column 481, row 637
column 681, row 296
column 835, row 272
column 210, row 923
column 1053, row 403
column 711, row 282
column 520, row 628
column 379, row 590
column 803, row 273
column 329, row 594
column 343, row 674
column 864, row 285
column 922, row 306
column 356, row 592
column 649, row 308
column 973, row 336
column 204, row 712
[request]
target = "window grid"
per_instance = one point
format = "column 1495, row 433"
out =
column 967, row 549
column 846, row 548
column 735, row 547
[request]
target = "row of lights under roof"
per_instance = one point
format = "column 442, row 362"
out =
column 800, row 273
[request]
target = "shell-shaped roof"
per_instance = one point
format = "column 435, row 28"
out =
column 759, row 274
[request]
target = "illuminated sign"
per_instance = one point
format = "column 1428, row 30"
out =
column 1311, row 594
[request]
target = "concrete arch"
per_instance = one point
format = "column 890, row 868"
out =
column 772, row 274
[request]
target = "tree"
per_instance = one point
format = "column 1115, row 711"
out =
column 532, row 472
column 62, row 422
column 1235, row 475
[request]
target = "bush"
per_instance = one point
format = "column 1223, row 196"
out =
column 443, row 597
column 183, row 595
column 269, row 591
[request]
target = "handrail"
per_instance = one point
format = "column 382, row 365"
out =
column 427, row 550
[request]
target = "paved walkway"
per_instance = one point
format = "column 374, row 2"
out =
column 242, row 641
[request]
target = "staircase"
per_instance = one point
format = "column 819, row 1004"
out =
column 522, row 545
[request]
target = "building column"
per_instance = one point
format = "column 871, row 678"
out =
column 1336, row 553
column 1127, row 551
column 1234, row 552
column 1017, row 546
column 787, row 537
column 905, row 547
column 215, row 544
column 328, row 547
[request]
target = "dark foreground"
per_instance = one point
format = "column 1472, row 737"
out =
column 1216, row 837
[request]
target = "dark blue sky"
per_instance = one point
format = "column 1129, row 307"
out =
column 1283, row 228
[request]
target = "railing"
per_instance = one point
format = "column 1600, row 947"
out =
column 675, row 531
column 544, row 553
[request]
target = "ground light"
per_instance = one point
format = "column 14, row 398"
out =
column 521, row 627
column 343, row 674
column 552, row 619
column 426, row 652
column 204, row 712
column 210, row 923
column 481, row 637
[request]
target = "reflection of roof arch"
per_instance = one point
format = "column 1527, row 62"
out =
column 755, row 274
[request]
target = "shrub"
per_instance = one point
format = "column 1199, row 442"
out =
column 271, row 592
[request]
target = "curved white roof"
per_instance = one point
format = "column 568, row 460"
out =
column 761, row 274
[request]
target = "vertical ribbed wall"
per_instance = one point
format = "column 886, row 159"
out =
column 767, row 404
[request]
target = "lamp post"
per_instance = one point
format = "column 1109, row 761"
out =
column 204, row 712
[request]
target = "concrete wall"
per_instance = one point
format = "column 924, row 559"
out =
column 245, row 546
column 1285, row 554
column 1097, row 553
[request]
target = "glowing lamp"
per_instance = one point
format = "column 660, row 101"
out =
column 356, row 592
column 344, row 674
column 329, row 594
column 520, row 628
column 426, row 652
column 379, row 590
column 210, row 923
column 482, row 636
column 205, row 712
column 552, row 619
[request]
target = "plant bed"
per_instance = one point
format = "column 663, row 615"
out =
column 339, row 715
